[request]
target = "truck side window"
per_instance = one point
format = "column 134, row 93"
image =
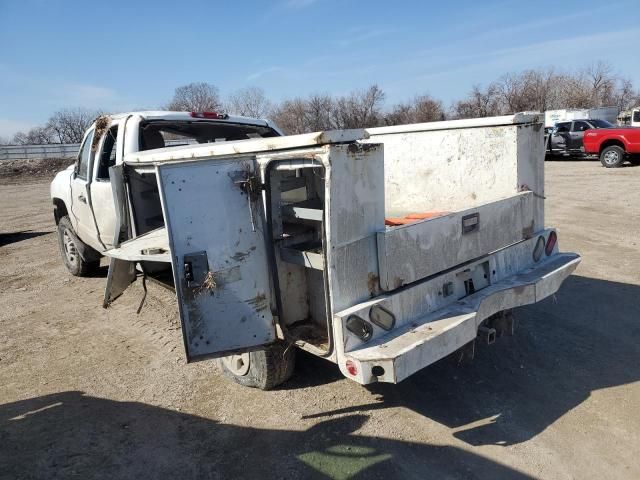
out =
column 562, row 128
column 108, row 154
column 636, row 116
column 580, row 126
column 85, row 156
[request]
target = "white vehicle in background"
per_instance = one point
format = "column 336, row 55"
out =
column 380, row 250
column 630, row 118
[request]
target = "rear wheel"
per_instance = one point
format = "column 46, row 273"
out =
column 612, row 157
column 70, row 247
column 264, row 369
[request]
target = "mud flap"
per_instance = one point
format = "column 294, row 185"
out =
column 122, row 273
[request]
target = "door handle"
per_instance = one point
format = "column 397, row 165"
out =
column 82, row 198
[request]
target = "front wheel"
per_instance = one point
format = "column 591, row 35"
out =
column 612, row 157
column 264, row 369
column 70, row 246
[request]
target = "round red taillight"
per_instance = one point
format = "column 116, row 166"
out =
column 351, row 368
column 551, row 242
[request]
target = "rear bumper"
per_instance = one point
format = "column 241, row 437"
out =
column 404, row 351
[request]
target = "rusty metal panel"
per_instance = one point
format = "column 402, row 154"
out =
column 411, row 252
column 122, row 273
column 219, row 258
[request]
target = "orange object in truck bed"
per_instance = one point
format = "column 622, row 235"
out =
column 412, row 217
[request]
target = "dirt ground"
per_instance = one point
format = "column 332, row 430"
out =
column 93, row 393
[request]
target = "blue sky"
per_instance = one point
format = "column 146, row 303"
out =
column 122, row 55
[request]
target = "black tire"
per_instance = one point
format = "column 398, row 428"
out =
column 70, row 247
column 268, row 367
column 612, row 157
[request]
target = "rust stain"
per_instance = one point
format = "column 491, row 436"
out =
column 372, row 283
column 240, row 256
column 527, row 232
column 259, row 302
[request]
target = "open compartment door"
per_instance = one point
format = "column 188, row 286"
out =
column 214, row 217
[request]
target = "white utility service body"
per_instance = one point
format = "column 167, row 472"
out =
column 293, row 238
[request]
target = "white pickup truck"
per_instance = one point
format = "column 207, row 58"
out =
column 82, row 195
column 381, row 250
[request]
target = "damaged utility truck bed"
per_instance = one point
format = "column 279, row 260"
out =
column 381, row 250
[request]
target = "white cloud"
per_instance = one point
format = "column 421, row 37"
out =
column 299, row 4
column 8, row 127
column 88, row 96
column 362, row 34
column 261, row 73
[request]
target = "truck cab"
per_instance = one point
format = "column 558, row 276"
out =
column 83, row 195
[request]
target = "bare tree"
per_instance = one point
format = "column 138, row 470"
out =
column 360, row 109
column 319, row 110
column 249, row 102
column 626, row 96
column 599, row 77
column 34, row 136
column 479, row 103
column 69, row 126
column 290, row 116
column 196, row 97
column 423, row 108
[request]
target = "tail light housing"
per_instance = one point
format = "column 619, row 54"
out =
column 551, row 243
column 538, row 249
column 359, row 327
column 382, row 317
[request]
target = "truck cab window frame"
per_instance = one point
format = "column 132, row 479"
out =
column 84, row 157
column 107, row 157
column 580, row 126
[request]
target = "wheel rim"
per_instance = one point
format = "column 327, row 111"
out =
column 237, row 364
column 611, row 157
column 70, row 250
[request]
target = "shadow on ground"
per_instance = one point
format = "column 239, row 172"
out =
column 9, row 238
column 588, row 338
column 69, row 435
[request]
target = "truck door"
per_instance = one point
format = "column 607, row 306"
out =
column 560, row 137
column 81, row 215
column 101, row 191
column 214, row 214
column 577, row 134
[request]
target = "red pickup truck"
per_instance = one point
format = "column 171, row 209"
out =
column 614, row 145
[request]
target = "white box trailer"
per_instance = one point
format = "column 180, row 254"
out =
column 381, row 250
column 551, row 117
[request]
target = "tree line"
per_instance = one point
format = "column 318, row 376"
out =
column 541, row 89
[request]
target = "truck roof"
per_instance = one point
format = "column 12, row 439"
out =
column 172, row 115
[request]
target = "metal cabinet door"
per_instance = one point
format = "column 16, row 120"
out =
column 220, row 264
